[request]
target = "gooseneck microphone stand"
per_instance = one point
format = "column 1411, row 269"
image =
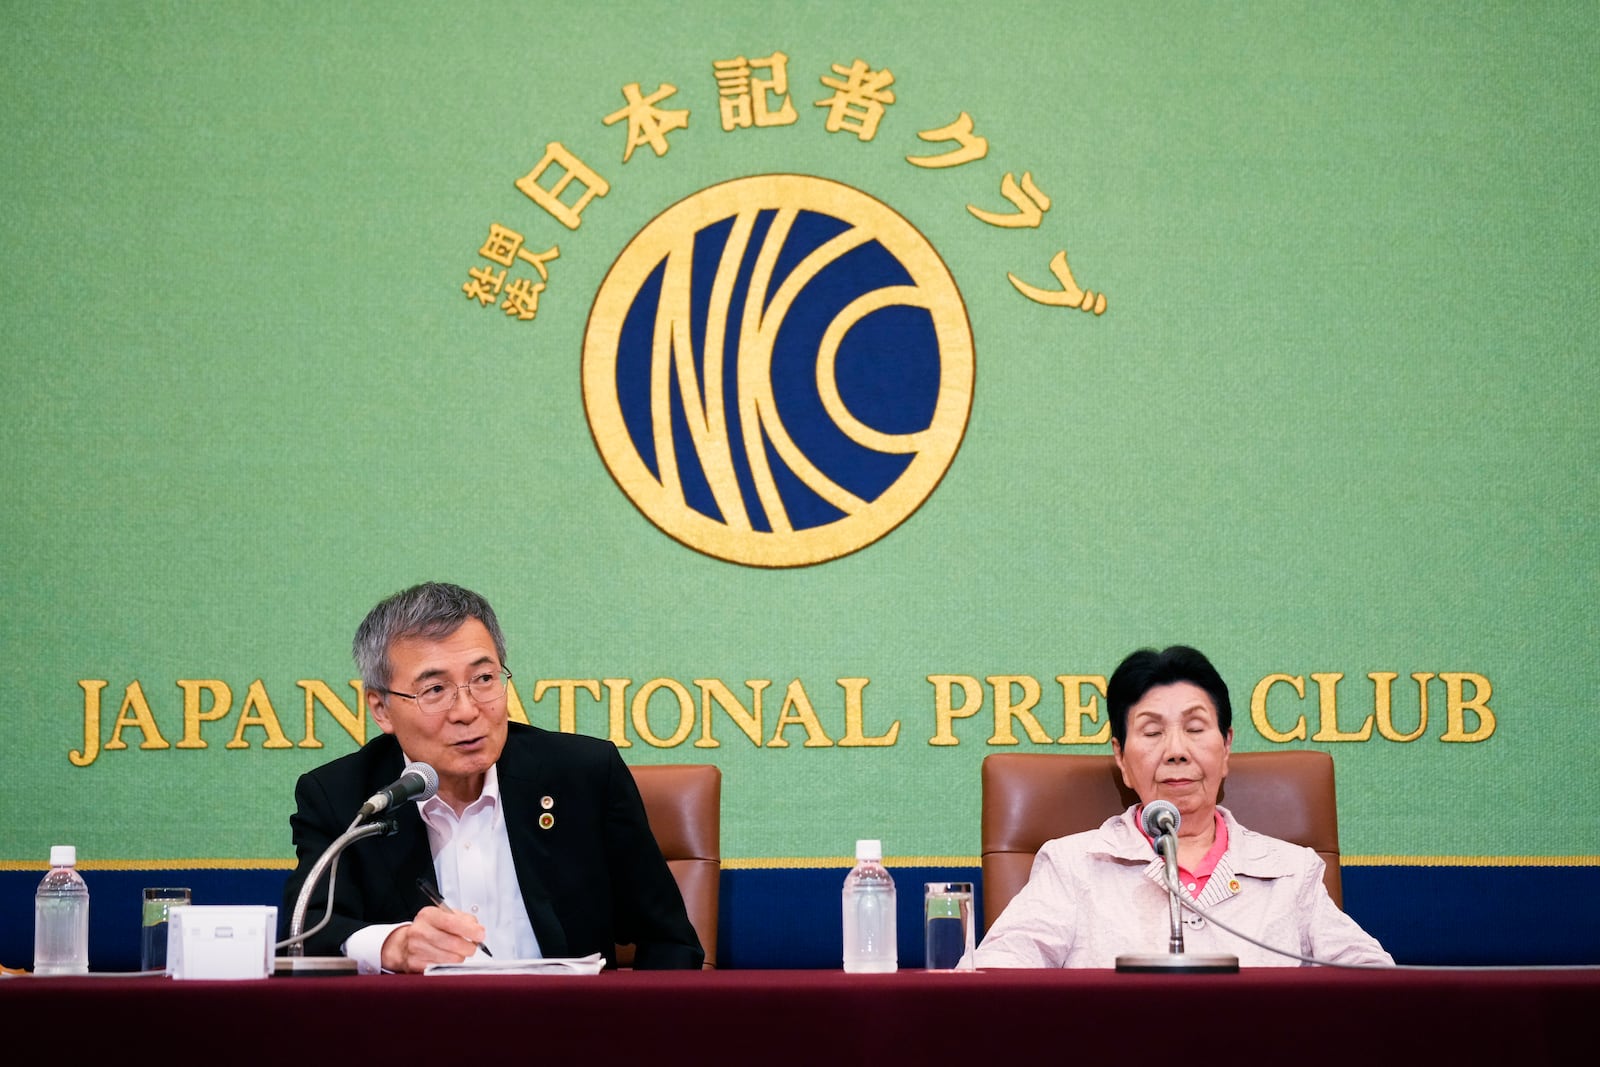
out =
column 1169, row 852
column 297, row 962
column 1176, row 960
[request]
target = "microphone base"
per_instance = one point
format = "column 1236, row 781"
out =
column 1178, row 963
column 312, row 966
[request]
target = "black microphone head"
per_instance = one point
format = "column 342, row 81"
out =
column 422, row 781
column 1158, row 812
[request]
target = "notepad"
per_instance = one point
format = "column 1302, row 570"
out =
column 593, row 963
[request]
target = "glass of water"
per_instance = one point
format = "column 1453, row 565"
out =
column 947, row 926
column 153, row 934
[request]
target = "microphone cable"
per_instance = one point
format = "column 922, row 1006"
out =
column 1190, row 905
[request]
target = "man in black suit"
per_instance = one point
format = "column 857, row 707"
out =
column 537, row 841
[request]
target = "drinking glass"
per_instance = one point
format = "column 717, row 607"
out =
column 947, row 925
column 153, row 934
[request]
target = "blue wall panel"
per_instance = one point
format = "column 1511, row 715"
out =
column 790, row 918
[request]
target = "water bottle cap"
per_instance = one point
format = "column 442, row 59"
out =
column 869, row 849
column 63, row 855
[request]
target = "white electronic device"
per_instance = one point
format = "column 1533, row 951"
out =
column 221, row 941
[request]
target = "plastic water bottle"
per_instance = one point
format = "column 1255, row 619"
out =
column 869, row 930
column 61, row 917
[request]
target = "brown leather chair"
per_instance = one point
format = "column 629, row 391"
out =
column 1029, row 799
column 684, row 805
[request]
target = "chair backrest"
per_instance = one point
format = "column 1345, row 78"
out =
column 684, row 805
column 1029, row 799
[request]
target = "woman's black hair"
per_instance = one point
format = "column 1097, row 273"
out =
column 1146, row 669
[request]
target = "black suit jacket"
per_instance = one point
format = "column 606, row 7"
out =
column 594, row 879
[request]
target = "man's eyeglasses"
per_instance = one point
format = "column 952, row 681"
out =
column 436, row 698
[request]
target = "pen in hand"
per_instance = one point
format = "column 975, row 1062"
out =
column 438, row 902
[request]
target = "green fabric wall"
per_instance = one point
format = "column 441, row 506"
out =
column 1337, row 418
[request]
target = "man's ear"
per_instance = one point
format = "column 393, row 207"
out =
column 380, row 710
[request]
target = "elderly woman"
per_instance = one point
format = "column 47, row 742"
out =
column 1094, row 896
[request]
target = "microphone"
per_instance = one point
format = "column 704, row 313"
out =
column 1160, row 820
column 418, row 782
column 1161, row 817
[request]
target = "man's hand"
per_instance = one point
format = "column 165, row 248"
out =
column 434, row 936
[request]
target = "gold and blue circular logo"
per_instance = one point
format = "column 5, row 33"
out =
column 778, row 370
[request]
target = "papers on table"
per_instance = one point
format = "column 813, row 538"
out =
column 593, row 963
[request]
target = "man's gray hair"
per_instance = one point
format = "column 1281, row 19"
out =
column 433, row 610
